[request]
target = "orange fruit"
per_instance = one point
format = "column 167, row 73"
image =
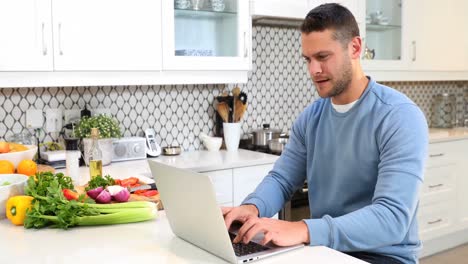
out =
column 6, row 167
column 27, row 167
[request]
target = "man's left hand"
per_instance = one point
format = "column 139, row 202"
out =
column 279, row 232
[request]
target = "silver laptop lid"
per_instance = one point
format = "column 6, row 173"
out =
column 200, row 224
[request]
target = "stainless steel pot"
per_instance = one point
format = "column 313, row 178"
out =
column 277, row 145
column 265, row 134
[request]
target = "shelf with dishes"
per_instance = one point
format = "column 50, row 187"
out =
column 382, row 27
column 203, row 13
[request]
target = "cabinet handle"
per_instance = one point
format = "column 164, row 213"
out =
column 436, row 155
column 44, row 46
column 414, row 50
column 60, row 38
column 435, row 221
column 436, row 186
column 246, row 52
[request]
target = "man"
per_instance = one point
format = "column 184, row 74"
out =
column 361, row 148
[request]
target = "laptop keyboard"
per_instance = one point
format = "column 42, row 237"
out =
column 242, row 249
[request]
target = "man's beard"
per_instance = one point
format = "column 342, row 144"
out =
column 343, row 81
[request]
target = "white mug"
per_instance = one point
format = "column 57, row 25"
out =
column 218, row 5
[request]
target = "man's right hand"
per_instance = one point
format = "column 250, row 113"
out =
column 240, row 213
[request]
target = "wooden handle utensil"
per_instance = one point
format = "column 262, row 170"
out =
column 223, row 110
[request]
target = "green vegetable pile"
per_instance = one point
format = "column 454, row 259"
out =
column 100, row 181
column 51, row 208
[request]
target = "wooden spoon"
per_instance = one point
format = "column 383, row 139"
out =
column 223, row 110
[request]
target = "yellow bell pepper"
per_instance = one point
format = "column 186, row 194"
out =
column 16, row 208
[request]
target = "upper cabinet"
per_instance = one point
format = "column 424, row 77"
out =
column 386, row 35
column 439, row 35
column 124, row 42
column 26, row 35
column 206, row 35
column 106, row 35
column 292, row 9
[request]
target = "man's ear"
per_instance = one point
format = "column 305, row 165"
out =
column 355, row 47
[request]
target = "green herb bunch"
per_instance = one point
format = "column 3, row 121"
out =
column 107, row 126
column 100, row 181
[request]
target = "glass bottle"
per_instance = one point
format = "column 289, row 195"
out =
column 94, row 155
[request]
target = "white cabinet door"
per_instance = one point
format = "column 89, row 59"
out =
column 246, row 179
column 107, row 35
column 205, row 39
column 280, row 8
column 439, row 35
column 25, row 30
column 222, row 182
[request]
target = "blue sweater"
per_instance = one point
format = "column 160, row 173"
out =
column 364, row 169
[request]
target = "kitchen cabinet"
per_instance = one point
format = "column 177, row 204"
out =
column 106, row 35
column 26, row 35
column 123, row 42
column 233, row 185
column 293, row 9
column 206, row 38
column 443, row 211
column 439, row 36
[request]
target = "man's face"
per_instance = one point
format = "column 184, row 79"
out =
column 328, row 62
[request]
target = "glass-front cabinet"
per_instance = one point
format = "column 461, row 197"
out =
column 206, row 35
column 385, row 37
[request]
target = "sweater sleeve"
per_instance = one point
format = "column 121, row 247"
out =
column 287, row 175
column 403, row 141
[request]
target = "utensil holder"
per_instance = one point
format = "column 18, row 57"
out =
column 232, row 133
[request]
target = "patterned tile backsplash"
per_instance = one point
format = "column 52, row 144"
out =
column 278, row 89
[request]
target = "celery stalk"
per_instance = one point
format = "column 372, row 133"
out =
column 122, row 217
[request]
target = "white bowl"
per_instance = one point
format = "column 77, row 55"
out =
column 212, row 143
column 16, row 187
column 17, row 157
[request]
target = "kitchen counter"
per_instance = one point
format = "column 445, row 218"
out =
column 146, row 242
column 447, row 134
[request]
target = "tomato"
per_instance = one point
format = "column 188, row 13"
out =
column 149, row 193
column 129, row 182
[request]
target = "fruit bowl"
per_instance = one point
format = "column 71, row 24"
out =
column 10, row 185
column 17, row 157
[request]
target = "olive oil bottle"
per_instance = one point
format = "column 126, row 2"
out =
column 94, row 160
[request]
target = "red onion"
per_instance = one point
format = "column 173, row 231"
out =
column 104, row 197
column 93, row 193
column 122, row 196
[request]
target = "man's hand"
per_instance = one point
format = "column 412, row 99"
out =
column 279, row 232
column 240, row 213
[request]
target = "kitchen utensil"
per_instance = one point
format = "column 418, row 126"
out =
column 171, row 150
column 277, row 145
column 218, row 5
column 182, row 4
column 265, row 134
column 151, row 186
column 223, row 110
column 211, row 143
column 197, row 4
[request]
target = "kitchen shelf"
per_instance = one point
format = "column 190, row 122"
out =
column 205, row 13
column 377, row 28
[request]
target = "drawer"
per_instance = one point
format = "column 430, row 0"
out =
column 222, row 182
column 438, row 181
column 436, row 219
column 441, row 154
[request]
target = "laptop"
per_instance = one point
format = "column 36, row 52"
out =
column 189, row 200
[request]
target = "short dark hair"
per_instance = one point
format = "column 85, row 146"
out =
column 332, row 16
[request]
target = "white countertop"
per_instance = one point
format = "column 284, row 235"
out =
column 447, row 134
column 199, row 161
column 146, row 242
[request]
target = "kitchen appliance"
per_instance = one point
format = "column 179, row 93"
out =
column 152, row 147
column 129, row 148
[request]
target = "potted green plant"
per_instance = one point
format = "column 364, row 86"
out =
column 108, row 130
